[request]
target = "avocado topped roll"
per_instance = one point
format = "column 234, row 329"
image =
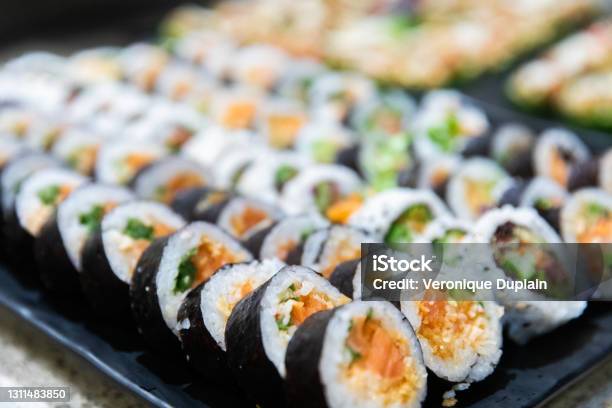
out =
column 110, row 255
column 59, row 245
column 284, row 240
column 203, row 315
column 262, row 324
column 364, row 354
column 520, row 240
column 556, row 151
column 586, row 217
column 318, row 187
column 476, row 187
column 163, row 180
column 169, row 269
column 399, row 215
column 325, row 249
column 461, row 340
column 119, row 162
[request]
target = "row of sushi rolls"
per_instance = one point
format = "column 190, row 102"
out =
column 215, row 195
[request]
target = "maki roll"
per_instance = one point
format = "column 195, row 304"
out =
column 364, row 354
column 399, row 215
column 163, row 180
column 322, row 142
column 435, row 173
column 259, row 66
column 207, row 145
column 347, row 278
column 586, row 217
column 262, row 324
column 36, row 203
column 389, row 114
column 318, row 187
column 168, row 270
column 521, row 250
column 547, row 197
column 285, row 239
column 234, row 162
column 242, row 217
column 266, row 178
column 511, row 147
column 111, row 253
column 325, row 249
column 592, row 173
column 281, row 121
column 203, row 315
column 476, row 187
column 79, row 149
column 202, row 204
column 446, row 230
column 298, row 79
column 236, row 108
column 119, row 162
column 60, row 242
column 556, row 152
column 387, row 162
column 461, row 340
column 142, row 63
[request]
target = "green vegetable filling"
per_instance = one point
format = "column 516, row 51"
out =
column 283, row 174
column 445, row 134
column 49, row 195
column 136, row 229
column 412, row 220
column 186, row 272
column 325, row 194
column 91, row 220
column 324, row 151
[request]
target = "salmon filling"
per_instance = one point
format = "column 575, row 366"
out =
column 595, row 226
column 283, row 129
column 141, row 235
column 298, row 302
column 248, row 219
column 239, row 115
column 341, row 211
column 450, row 326
column 200, row 263
column 380, row 362
column 178, row 183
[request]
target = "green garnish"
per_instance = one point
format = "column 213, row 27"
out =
column 444, row 135
column 91, row 220
column 282, row 326
column 186, row 272
column 305, row 234
column 136, row 229
column 543, row 203
column 595, row 211
column 292, row 287
column 49, row 195
column 355, row 355
column 411, row 220
column 400, row 25
column 283, row 174
column 370, row 314
column 324, row 151
column 324, row 195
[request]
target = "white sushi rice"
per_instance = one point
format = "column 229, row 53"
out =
column 605, row 172
column 81, row 201
column 259, row 66
column 116, row 242
column 290, row 230
column 224, row 290
column 438, row 228
column 31, row 211
column 74, row 144
column 476, row 170
column 541, row 187
column 275, row 341
column 334, row 360
column 235, row 159
column 178, row 245
column 17, row 170
column 206, row 145
column 379, row 212
column 297, row 196
column 111, row 167
column 9, row 148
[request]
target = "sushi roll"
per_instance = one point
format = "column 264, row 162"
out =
column 168, row 270
column 79, row 149
column 318, row 187
column 347, row 278
column 387, row 162
column 592, row 173
column 236, row 160
column 446, row 230
column 259, row 66
column 556, row 151
column 119, row 162
column 9, row 149
column 527, row 318
column 281, row 121
column 511, row 147
column 36, row 203
column 434, row 174
column 586, row 99
column 110, row 255
column 262, row 324
column 461, row 340
column 164, row 179
column 202, row 204
column 284, row 239
column 177, row 81
column 60, row 242
column 325, row 249
column 242, row 217
column 267, row 176
column 476, row 187
column 45, row 132
column 298, row 79
column 389, row 115
column 236, row 108
column 142, row 64
column 206, row 146
column 363, row 354
column 322, row 142
column 586, row 217
column 204, row 313
column 94, row 65
column 399, row 215
column 547, row 197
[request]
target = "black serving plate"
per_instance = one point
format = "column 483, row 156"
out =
column 526, row 376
